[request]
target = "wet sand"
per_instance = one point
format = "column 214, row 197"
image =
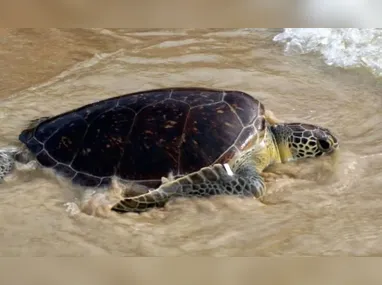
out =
column 321, row 207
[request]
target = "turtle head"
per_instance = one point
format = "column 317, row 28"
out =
column 296, row 141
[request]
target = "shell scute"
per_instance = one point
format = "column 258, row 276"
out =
column 65, row 142
column 45, row 159
column 245, row 106
column 153, row 145
column 103, row 142
column 145, row 135
column 197, row 96
column 209, row 132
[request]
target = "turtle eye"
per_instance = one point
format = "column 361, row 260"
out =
column 324, row 144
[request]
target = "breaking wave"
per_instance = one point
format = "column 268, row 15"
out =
column 346, row 48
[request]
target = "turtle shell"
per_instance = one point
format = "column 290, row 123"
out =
column 145, row 135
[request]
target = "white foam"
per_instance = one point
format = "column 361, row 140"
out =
column 339, row 47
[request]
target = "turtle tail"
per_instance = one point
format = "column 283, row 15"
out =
column 7, row 161
column 154, row 198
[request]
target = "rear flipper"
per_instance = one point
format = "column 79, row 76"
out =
column 208, row 181
column 99, row 203
column 7, row 161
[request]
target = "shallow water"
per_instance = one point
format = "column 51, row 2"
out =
column 329, row 206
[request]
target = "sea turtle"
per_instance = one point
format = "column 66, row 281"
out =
column 213, row 142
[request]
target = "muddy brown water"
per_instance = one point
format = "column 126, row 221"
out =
column 329, row 206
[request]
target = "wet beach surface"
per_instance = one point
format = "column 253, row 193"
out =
column 329, row 206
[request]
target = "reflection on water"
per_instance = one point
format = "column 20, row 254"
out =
column 324, row 206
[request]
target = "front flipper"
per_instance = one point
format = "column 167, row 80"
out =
column 208, row 181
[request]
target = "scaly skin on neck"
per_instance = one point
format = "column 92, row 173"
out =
column 261, row 155
column 280, row 138
column 271, row 151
